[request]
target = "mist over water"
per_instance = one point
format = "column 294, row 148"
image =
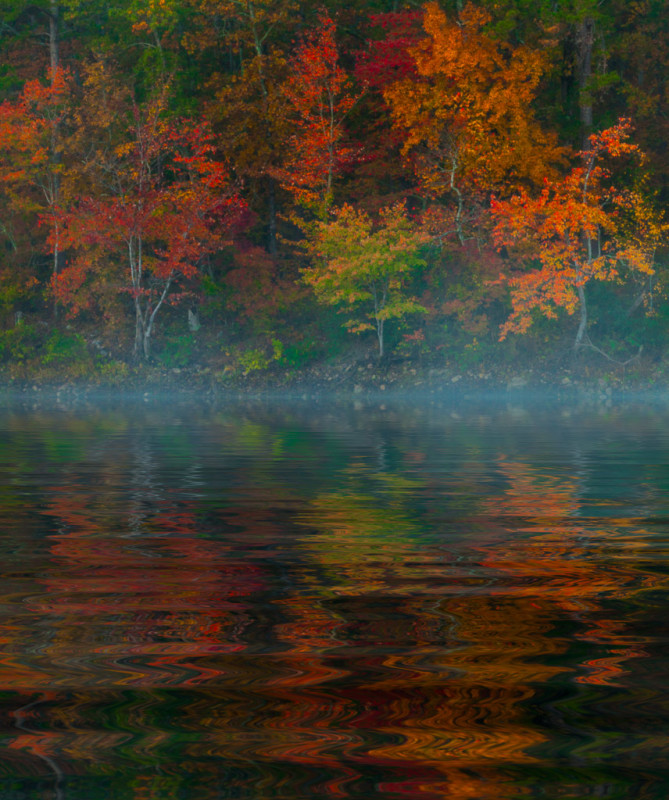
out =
column 314, row 599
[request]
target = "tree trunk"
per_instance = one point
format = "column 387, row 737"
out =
column 56, row 258
column 379, row 334
column 55, row 182
column 583, row 323
column 139, row 331
column 271, row 226
column 585, row 39
column 146, row 343
column 142, row 349
column 53, row 38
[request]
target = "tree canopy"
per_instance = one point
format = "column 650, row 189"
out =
column 254, row 162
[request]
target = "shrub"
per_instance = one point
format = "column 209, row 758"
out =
column 177, row 352
column 64, row 347
column 256, row 359
column 18, row 344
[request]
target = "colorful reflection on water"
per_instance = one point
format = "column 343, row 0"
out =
column 317, row 601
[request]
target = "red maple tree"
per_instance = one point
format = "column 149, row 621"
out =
column 319, row 95
column 169, row 202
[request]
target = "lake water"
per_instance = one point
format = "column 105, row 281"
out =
column 317, row 600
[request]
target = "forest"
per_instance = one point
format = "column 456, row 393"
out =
column 258, row 188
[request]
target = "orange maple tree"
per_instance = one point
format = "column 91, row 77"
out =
column 30, row 162
column 466, row 116
column 576, row 230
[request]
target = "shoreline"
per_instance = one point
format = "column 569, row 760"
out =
column 424, row 390
column 350, row 376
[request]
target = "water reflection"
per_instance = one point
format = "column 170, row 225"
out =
column 295, row 602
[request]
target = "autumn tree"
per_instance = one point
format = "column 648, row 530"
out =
column 389, row 59
column 319, row 96
column 163, row 201
column 364, row 266
column 381, row 175
column 41, row 18
column 153, row 21
column 31, row 154
column 466, row 116
column 575, row 231
column 247, row 105
column 640, row 55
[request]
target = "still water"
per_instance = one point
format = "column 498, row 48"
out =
column 326, row 601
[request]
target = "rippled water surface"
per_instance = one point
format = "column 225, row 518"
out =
column 317, row 600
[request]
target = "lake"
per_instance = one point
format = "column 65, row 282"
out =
column 464, row 600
